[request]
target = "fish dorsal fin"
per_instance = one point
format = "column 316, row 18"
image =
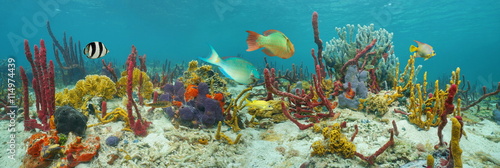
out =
column 419, row 43
column 268, row 32
column 214, row 57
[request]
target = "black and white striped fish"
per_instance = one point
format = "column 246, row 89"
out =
column 95, row 50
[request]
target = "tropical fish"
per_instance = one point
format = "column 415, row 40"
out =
column 423, row 50
column 235, row 68
column 49, row 152
column 160, row 104
column 95, row 50
column 368, row 67
column 274, row 42
column 259, row 104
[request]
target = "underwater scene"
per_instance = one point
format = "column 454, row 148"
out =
column 233, row 83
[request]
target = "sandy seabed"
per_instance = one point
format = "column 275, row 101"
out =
column 281, row 145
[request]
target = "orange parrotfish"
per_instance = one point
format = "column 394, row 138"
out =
column 235, row 68
column 275, row 43
column 423, row 50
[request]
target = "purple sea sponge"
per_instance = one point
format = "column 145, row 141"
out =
column 165, row 97
column 179, row 91
column 345, row 102
column 169, row 111
column 212, row 112
column 207, row 120
column 358, row 84
column 173, row 92
column 112, row 141
column 187, row 113
column 203, row 89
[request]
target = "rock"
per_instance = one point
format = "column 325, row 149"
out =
column 68, row 119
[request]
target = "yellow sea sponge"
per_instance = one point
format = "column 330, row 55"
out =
column 92, row 86
column 334, row 142
column 146, row 90
column 377, row 104
column 456, row 133
column 196, row 74
column 97, row 86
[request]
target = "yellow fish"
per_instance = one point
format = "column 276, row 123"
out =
column 259, row 104
column 423, row 50
column 274, row 42
column 160, row 104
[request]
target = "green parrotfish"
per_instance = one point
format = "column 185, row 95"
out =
column 235, row 68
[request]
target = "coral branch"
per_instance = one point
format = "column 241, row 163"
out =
column 287, row 114
column 319, row 43
column 111, row 70
column 449, row 107
column 485, row 95
column 354, row 60
column 43, row 85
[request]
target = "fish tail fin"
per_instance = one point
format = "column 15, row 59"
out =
column 413, row 48
column 213, row 58
column 252, row 40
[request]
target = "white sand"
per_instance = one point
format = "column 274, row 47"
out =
column 282, row 145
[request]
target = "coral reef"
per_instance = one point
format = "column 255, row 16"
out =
column 379, row 53
column 198, row 111
column 196, row 74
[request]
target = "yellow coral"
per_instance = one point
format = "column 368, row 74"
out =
column 92, row 86
column 220, row 135
column 196, row 74
column 115, row 115
column 147, row 86
column 334, row 142
column 193, row 65
column 275, row 113
column 456, row 133
column 377, row 104
column 430, row 161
